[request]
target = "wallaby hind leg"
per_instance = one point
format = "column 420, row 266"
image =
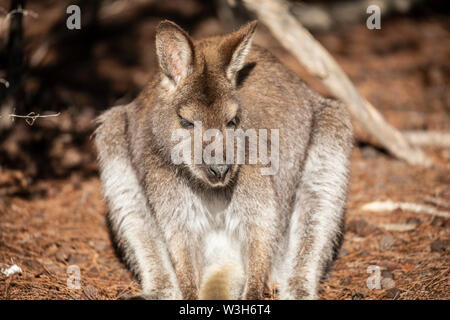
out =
column 317, row 220
column 136, row 233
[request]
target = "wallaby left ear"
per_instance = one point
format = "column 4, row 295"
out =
column 236, row 47
column 175, row 51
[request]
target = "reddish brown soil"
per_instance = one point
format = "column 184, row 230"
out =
column 52, row 214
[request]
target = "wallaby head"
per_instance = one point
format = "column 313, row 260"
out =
column 197, row 90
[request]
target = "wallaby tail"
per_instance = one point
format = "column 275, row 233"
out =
column 222, row 283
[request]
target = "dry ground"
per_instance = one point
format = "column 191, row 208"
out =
column 52, row 214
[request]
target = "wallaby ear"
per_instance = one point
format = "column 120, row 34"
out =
column 236, row 47
column 175, row 51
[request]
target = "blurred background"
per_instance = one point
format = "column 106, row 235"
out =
column 51, row 208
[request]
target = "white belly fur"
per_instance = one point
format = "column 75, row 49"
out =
column 221, row 246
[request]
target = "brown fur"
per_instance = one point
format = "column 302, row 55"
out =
column 213, row 81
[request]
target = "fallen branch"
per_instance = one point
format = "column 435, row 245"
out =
column 378, row 206
column 276, row 15
column 428, row 138
column 398, row 227
column 438, row 202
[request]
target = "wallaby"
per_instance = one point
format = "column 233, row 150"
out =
column 215, row 230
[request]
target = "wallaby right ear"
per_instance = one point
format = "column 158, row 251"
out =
column 175, row 51
column 235, row 48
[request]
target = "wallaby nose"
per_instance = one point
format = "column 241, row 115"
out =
column 219, row 171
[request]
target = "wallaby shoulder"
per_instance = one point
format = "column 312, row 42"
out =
column 110, row 135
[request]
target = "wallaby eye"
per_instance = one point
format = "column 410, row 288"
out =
column 186, row 124
column 233, row 122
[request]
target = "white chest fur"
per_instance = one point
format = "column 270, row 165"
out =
column 218, row 222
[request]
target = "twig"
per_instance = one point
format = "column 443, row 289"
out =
column 32, row 116
column 276, row 15
column 378, row 206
